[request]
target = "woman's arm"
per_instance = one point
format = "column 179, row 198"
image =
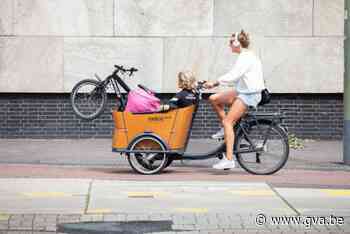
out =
column 239, row 69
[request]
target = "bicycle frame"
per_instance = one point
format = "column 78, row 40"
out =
column 222, row 147
column 115, row 79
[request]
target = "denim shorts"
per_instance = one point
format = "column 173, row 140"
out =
column 250, row 99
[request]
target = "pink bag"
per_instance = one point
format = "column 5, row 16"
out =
column 140, row 101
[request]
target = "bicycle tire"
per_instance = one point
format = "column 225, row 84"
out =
column 248, row 163
column 96, row 90
column 139, row 162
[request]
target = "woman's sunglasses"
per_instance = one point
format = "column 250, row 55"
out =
column 233, row 36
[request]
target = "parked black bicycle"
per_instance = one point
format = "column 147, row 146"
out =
column 89, row 96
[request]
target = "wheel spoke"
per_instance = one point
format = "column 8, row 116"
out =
column 270, row 154
column 88, row 100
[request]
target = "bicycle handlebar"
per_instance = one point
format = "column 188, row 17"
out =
column 123, row 70
column 200, row 85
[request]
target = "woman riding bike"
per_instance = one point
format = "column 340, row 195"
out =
column 247, row 77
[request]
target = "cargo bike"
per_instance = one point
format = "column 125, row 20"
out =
column 152, row 141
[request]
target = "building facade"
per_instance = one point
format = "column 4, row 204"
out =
column 47, row 46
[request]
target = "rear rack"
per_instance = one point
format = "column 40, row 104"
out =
column 265, row 115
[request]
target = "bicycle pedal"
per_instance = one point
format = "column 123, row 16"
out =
column 261, row 146
column 220, row 139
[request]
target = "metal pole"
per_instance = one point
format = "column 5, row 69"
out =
column 346, row 138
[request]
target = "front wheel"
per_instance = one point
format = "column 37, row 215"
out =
column 271, row 144
column 88, row 99
column 147, row 163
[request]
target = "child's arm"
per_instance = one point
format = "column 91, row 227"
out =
column 173, row 103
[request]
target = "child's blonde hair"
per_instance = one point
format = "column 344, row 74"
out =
column 186, row 80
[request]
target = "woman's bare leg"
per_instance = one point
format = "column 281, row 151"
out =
column 236, row 111
column 219, row 100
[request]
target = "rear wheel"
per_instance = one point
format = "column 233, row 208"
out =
column 147, row 163
column 272, row 147
column 88, row 99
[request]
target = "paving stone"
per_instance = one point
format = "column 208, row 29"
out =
column 19, row 232
column 41, row 221
column 231, row 226
column 167, row 216
column 39, row 227
column 34, row 232
column 190, row 232
column 188, row 226
column 267, row 231
column 178, row 219
column 206, row 226
column 202, row 219
column 163, row 232
column 91, row 218
column 46, row 217
column 223, row 231
column 110, row 217
column 159, row 217
column 69, row 218
column 136, row 217
column 281, row 227
column 182, row 227
column 51, row 228
column 121, row 217
column 189, row 221
column 4, row 224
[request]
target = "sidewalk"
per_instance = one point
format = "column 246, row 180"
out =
column 98, row 206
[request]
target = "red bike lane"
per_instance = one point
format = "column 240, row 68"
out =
column 285, row 177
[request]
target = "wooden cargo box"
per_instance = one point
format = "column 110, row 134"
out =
column 172, row 127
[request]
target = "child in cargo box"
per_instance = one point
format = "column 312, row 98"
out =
column 186, row 97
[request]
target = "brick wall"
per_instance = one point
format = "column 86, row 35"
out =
column 316, row 116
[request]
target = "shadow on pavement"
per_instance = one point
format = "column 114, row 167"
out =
column 125, row 227
column 169, row 171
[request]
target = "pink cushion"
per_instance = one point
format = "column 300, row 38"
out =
column 140, row 101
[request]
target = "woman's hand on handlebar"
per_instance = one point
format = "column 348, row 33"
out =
column 210, row 84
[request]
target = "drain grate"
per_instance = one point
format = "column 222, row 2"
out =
column 127, row 227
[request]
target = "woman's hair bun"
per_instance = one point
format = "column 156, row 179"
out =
column 244, row 39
